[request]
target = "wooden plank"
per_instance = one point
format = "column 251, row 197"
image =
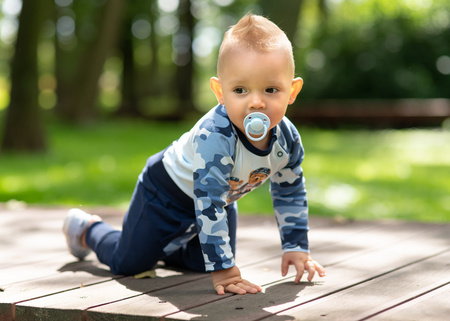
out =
column 432, row 306
column 124, row 294
column 74, row 276
column 71, row 304
column 373, row 113
column 264, row 272
column 96, row 296
column 283, row 295
column 46, row 268
column 32, row 246
column 258, row 243
column 334, row 244
column 266, row 232
column 157, row 304
column 265, row 236
column 339, row 245
column 377, row 294
column 26, row 237
column 35, row 235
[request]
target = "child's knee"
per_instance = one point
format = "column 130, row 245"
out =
column 130, row 268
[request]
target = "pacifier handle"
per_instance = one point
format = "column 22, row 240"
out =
column 253, row 120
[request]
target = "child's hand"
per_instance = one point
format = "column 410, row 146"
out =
column 230, row 280
column 302, row 261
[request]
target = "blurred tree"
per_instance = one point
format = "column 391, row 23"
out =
column 372, row 50
column 139, row 80
column 23, row 129
column 182, row 44
column 129, row 106
column 69, row 47
column 79, row 98
column 154, row 63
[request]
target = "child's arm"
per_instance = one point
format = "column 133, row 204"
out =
column 291, row 208
column 301, row 261
column 230, row 280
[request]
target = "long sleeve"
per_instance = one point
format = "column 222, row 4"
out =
column 212, row 165
column 289, row 197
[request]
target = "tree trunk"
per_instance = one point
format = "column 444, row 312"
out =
column 67, row 63
column 184, row 59
column 84, row 89
column 154, row 47
column 23, row 129
column 129, row 106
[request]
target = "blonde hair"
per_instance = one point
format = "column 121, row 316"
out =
column 256, row 33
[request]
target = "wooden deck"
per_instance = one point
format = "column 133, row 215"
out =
column 375, row 271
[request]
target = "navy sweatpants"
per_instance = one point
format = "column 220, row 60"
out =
column 160, row 219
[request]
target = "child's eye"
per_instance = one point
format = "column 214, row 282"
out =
column 239, row 91
column 271, row 90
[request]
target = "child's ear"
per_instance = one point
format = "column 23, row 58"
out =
column 297, row 85
column 217, row 89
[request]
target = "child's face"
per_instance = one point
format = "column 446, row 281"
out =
column 253, row 81
column 256, row 178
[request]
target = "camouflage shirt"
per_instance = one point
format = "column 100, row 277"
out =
column 215, row 165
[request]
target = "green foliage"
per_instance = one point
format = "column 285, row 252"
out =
column 384, row 174
column 352, row 174
column 87, row 165
column 377, row 49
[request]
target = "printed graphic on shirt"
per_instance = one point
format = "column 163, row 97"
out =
column 238, row 188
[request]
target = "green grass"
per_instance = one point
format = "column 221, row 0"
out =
column 401, row 174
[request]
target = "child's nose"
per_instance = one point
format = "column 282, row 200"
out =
column 256, row 102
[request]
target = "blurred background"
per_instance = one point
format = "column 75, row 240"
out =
column 90, row 88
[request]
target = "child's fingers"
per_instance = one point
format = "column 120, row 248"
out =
column 250, row 287
column 311, row 268
column 284, row 267
column 236, row 288
column 243, row 288
column 319, row 269
column 299, row 267
column 239, row 288
column 220, row 290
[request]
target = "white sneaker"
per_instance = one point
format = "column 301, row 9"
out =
column 75, row 225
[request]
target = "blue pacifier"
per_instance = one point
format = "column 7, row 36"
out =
column 256, row 124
